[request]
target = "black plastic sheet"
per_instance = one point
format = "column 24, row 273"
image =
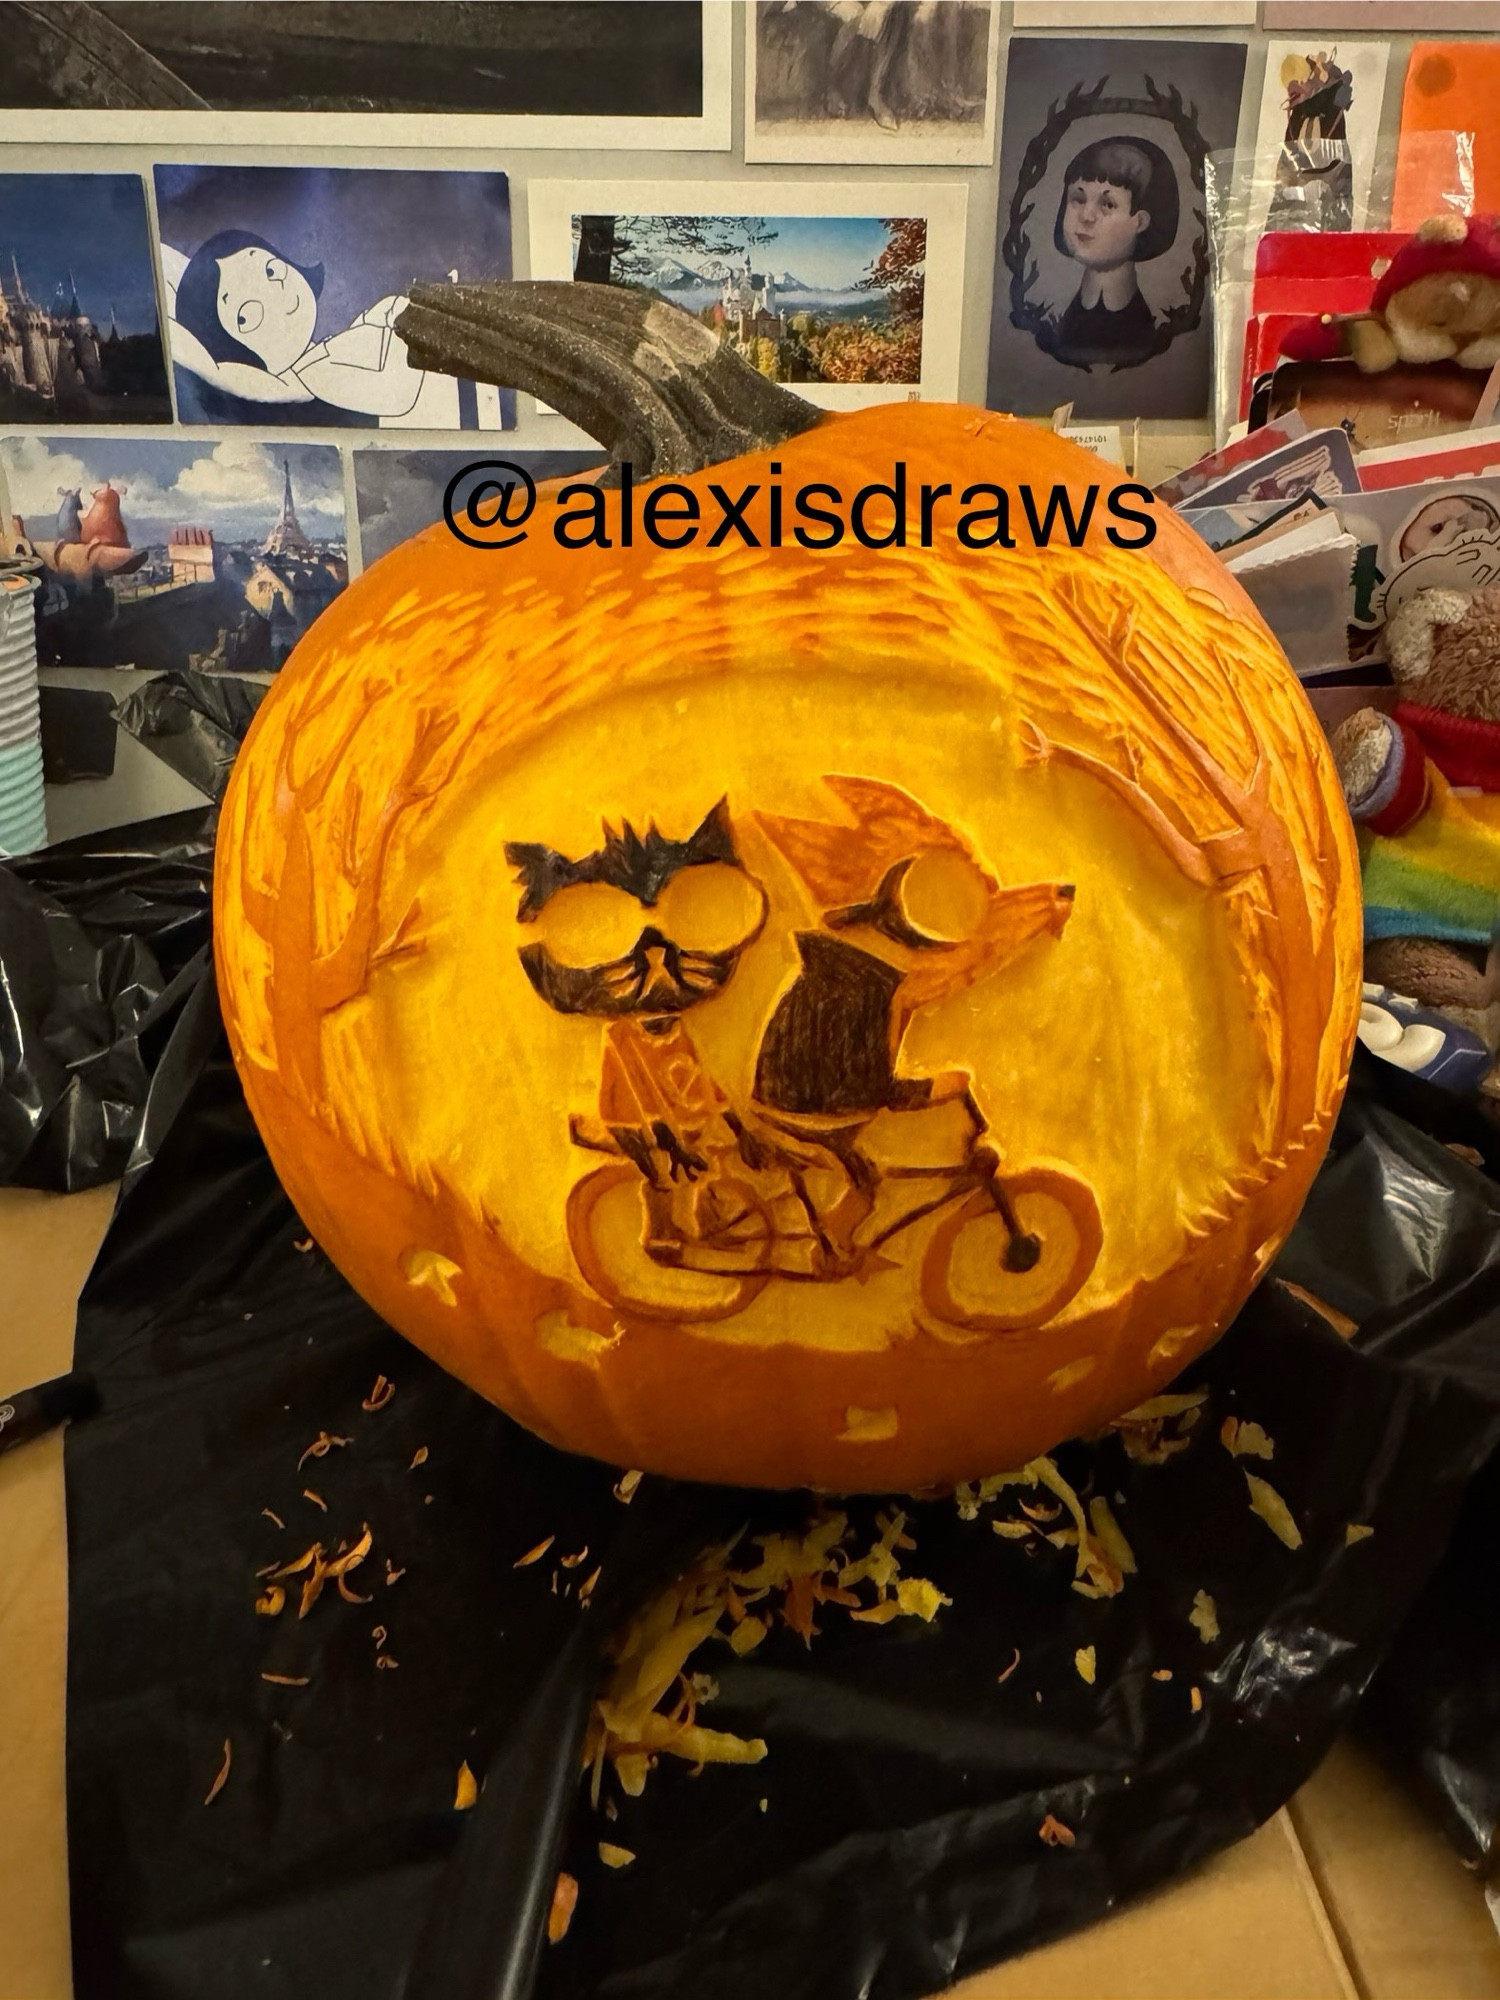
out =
column 898, row 1843
column 1434, row 1707
column 93, row 934
column 194, row 721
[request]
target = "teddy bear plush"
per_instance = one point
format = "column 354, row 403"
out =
column 1437, row 300
column 1423, row 786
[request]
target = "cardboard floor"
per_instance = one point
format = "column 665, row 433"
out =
column 1348, row 1894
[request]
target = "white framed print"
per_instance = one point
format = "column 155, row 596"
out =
column 871, row 82
column 851, row 294
column 367, row 73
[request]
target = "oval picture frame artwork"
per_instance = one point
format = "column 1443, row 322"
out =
column 1102, row 277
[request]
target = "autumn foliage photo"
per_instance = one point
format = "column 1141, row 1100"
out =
column 803, row 298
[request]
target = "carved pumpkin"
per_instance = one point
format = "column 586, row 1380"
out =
column 851, row 1017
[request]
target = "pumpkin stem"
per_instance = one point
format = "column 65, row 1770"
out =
column 655, row 386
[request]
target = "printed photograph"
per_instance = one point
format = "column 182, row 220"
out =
column 160, row 554
column 399, row 493
column 284, row 285
column 1319, row 117
column 525, row 72
column 1102, row 277
column 847, row 307
column 80, row 340
column 904, row 81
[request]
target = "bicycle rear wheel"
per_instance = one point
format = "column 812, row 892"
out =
column 606, row 1224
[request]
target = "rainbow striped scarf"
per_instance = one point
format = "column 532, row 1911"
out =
column 1440, row 877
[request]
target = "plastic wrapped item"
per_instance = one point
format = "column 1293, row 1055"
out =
column 194, row 721
column 93, row 934
column 262, row 1803
column 1249, row 197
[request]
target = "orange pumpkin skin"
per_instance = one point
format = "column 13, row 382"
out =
column 1118, row 721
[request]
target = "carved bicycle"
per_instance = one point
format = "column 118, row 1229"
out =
column 816, row 1200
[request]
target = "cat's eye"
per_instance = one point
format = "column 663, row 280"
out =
column 708, row 907
column 589, row 923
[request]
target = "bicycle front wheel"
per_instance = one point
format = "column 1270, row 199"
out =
column 966, row 1278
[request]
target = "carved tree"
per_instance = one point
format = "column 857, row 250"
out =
column 310, row 980
column 1247, row 850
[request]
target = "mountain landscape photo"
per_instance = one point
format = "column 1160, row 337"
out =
column 803, row 298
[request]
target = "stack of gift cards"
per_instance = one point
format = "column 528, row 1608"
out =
column 23, row 822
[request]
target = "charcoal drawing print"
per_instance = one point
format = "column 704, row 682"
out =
column 166, row 553
column 285, row 283
column 80, row 338
column 1102, row 282
column 399, row 493
column 802, row 298
column 864, row 75
column 608, row 58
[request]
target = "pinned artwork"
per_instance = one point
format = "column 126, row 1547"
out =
column 445, row 73
column 80, row 340
column 789, row 1014
column 1319, row 121
column 165, row 553
column 904, row 81
column 853, row 293
column 284, row 285
column 1102, row 276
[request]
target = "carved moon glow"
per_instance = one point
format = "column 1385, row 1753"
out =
column 848, row 1017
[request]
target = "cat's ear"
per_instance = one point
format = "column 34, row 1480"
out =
column 713, row 838
column 540, row 871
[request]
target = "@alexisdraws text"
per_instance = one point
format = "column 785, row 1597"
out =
column 488, row 504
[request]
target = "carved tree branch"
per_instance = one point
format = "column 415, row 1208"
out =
column 1186, row 853
column 655, row 386
column 340, row 975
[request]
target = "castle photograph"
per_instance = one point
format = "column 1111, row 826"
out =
column 80, row 337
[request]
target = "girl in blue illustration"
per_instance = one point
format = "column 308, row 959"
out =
column 243, row 317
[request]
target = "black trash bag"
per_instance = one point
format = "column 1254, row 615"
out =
column 1433, row 1709
column 909, row 1773
column 95, row 936
column 193, row 721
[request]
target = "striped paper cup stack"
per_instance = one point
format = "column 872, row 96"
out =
column 23, row 821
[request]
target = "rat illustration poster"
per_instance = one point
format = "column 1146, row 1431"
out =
column 1102, row 294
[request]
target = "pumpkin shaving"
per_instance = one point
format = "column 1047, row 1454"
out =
column 650, row 1701
column 1103, row 1557
column 1155, row 1429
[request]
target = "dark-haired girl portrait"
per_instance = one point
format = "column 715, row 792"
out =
column 284, row 287
column 1119, row 208
column 244, row 320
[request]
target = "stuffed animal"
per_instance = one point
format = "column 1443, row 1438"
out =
column 1438, row 300
column 1423, row 786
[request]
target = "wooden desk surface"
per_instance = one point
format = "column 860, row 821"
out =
column 1348, row 1894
